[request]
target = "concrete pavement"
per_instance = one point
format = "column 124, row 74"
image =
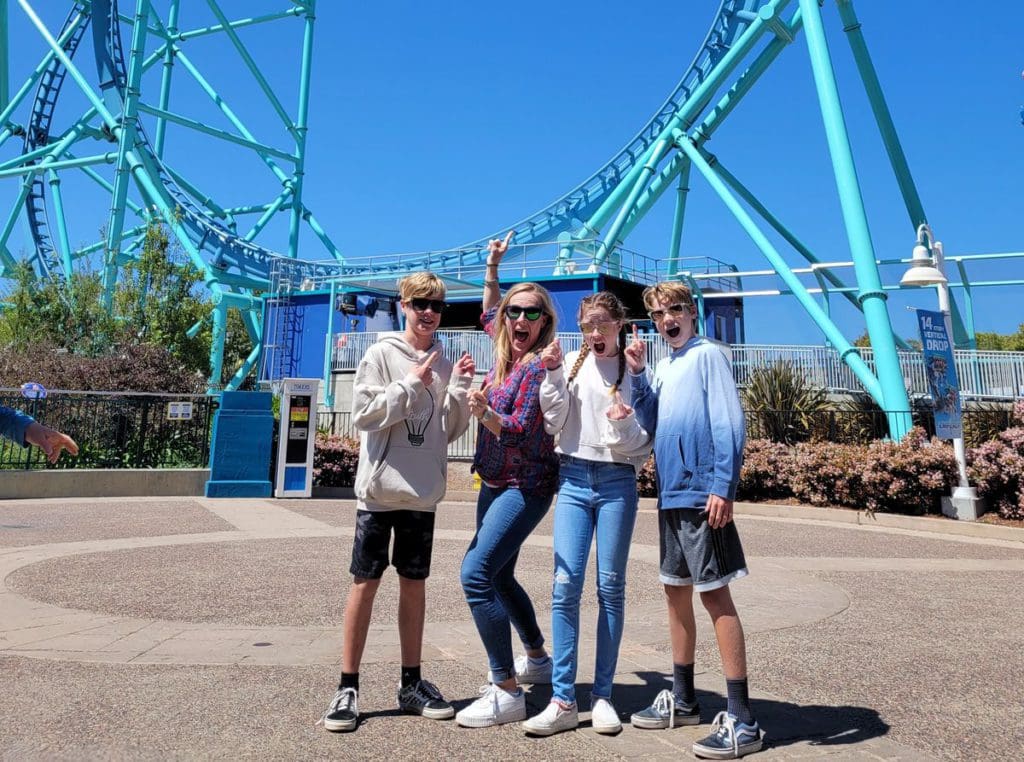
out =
column 187, row 628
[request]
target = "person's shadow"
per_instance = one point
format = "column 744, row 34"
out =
column 784, row 723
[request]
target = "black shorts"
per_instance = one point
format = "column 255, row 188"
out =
column 692, row 553
column 414, row 541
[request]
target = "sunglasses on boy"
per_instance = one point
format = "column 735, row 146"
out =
column 674, row 309
column 532, row 313
column 436, row 305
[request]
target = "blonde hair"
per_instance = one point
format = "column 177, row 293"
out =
column 419, row 285
column 668, row 292
column 614, row 306
column 502, row 339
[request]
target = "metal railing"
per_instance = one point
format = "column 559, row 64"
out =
column 982, row 374
column 115, row 430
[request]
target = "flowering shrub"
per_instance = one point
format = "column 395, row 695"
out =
column 910, row 476
column 997, row 468
column 646, row 480
column 765, row 473
column 826, row 474
column 334, row 461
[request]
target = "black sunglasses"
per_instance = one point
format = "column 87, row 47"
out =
column 532, row 313
column 675, row 309
column 436, row 305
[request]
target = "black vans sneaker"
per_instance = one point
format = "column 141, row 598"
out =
column 664, row 712
column 730, row 739
column 423, row 698
column 342, row 715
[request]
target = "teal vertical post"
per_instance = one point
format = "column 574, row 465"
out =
column 126, row 141
column 871, row 295
column 329, row 348
column 220, row 328
column 677, row 218
column 165, row 77
column 301, row 127
column 62, row 226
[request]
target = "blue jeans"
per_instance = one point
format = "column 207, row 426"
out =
column 504, row 519
column 601, row 498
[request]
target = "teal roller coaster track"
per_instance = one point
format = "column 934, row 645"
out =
column 128, row 116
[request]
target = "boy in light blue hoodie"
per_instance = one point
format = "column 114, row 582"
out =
column 693, row 410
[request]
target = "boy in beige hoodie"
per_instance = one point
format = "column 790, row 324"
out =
column 408, row 404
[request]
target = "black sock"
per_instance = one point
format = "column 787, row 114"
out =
column 410, row 675
column 349, row 680
column 682, row 684
column 739, row 701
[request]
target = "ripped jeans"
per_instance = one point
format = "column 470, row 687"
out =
column 593, row 498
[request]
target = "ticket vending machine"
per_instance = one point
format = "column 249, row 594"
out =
column 296, row 435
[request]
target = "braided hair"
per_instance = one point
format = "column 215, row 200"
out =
column 610, row 302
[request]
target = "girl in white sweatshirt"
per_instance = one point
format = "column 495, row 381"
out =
column 600, row 445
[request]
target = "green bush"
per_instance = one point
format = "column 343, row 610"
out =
column 782, row 404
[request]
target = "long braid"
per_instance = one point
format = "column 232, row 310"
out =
column 584, row 351
column 622, row 359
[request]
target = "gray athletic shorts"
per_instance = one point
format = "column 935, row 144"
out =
column 692, row 553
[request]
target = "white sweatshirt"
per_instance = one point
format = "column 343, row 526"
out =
column 577, row 413
column 405, row 426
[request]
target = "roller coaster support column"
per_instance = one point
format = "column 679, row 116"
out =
column 897, row 158
column 677, row 219
column 300, row 130
column 846, row 351
column 165, row 77
column 126, row 141
column 872, row 297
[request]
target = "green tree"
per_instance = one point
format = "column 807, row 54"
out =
column 1010, row 342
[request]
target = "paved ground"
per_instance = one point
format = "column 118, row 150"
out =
column 191, row 629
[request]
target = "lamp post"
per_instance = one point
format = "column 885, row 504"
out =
column 927, row 268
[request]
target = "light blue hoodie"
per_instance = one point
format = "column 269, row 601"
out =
column 13, row 424
column 693, row 410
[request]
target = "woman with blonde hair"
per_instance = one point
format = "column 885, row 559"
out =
column 515, row 459
column 600, row 446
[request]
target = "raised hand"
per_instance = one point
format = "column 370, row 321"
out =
column 50, row 441
column 618, row 410
column 465, row 366
column 496, row 249
column 422, row 369
column 478, row 403
column 636, row 353
column 552, row 355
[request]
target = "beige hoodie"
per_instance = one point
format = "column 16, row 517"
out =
column 405, row 426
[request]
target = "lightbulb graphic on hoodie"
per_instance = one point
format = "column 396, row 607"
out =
column 416, row 423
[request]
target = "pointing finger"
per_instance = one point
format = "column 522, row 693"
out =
column 429, row 359
column 636, row 334
column 508, row 238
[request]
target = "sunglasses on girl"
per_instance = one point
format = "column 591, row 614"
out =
column 605, row 327
column 675, row 309
column 532, row 313
column 436, row 305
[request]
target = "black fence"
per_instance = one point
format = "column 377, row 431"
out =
column 864, row 426
column 117, row 430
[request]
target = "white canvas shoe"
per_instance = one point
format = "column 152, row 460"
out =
column 494, row 707
column 603, row 717
column 554, row 719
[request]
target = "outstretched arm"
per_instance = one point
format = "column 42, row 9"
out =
column 495, row 251
column 50, row 441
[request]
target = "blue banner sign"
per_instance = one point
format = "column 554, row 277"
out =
column 941, row 374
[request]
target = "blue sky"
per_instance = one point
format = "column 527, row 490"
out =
column 434, row 124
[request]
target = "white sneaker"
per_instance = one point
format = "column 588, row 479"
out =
column 494, row 707
column 603, row 717
column 554, row 719
column 528, row 673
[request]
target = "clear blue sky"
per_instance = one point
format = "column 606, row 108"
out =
column 432, row 124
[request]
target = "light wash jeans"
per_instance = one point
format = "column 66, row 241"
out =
column 594, row 498
column 504, row 519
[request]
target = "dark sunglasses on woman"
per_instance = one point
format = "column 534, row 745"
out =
column 532, row 313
